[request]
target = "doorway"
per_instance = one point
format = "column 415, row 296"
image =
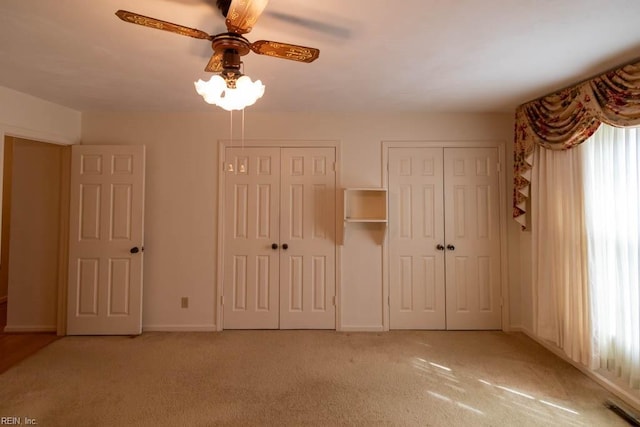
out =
column 32, row 233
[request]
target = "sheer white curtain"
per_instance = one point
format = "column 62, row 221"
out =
column 612, row 194
column 559, row 254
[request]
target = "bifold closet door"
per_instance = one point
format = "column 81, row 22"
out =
column 308, row 228
column 251, row 202
column 279, row 238
column 472, row 229
column 444, row 238
column 416, row 228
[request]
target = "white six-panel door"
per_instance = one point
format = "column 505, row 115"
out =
column 416, row 217
column 444, row 239
column 106, row 223
column 472, row 231
column 307, row 227
column 277, row 198
column 251, row 200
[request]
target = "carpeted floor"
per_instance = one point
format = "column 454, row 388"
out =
column 302, row 378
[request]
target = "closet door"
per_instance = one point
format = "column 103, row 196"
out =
column 416, row 228
column 444, row 239
column 472, row 230
column 307, row 237
column 251, row 201
column 279, row 238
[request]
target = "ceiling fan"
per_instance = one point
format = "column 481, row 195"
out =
column 241, row 16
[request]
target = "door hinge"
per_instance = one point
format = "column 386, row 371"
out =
column 499, row 167
column 334, row 300
column 221, row 299
column 334, row 166
column 389, row 300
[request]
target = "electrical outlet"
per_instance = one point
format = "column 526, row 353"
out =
column 184, row 303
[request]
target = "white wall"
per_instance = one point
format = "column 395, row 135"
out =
column 28, row 117
column 181, row 197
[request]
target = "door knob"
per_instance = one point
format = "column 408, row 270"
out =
column 285, row 246
column 274, row 246
column 451, row 247
column 134, row 250
column 440, row 247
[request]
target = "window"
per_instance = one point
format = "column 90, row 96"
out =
column 612, row 214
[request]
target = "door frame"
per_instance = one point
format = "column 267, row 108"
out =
column 8, row 131
column 249, row 143
column 502, row 173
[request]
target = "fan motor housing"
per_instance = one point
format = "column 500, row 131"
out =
column 225, row 41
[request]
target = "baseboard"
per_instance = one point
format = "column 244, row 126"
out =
column 29, row 328
column 361, row 329
column 629, row 397
column 179, row 328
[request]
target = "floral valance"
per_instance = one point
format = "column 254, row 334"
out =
column 569, row 117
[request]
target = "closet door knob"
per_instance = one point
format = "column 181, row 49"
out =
column 451, row 247
column 440, row 247
column 274, row 246
column 134, row 250
column 285, row 246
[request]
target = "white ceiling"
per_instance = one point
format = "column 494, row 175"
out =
column 375, row 55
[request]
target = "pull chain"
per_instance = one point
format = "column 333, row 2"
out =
column 242, row 168
column 230, row 165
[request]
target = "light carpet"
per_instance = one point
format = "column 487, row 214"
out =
column 325, row 378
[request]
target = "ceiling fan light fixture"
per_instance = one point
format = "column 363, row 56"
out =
column 230, row 94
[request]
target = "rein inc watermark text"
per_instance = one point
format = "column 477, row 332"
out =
column 17, row 421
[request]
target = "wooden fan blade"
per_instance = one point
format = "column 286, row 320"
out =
column 243, row 15
column 215, row 63
column 146, row 21
column 285, row 51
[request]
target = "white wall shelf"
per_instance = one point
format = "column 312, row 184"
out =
column 365, row 205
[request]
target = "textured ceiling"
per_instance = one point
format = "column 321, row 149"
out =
column 376, row 55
